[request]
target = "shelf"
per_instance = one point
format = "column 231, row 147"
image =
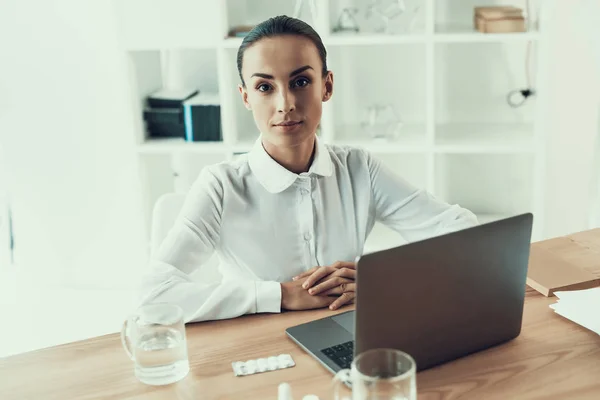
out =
column 335, row 39
column 456, row 35
column 342, row 39
column 410, row 140
column 467, row 34
column 231, row 42
column 173, row 24
column 484, row 138
column 175, row 145
column 450, row 138
column 173, row 46
column 438, row 75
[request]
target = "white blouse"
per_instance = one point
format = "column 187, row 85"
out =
column 267, row 224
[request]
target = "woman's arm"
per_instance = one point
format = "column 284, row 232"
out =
column 413, row 212
column 189, row 244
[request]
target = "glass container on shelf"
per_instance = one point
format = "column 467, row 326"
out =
column 382, row 122
column 379, row 16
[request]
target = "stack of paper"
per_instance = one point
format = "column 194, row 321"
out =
column 581, row 307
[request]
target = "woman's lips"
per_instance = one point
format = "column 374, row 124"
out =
column 288, row 125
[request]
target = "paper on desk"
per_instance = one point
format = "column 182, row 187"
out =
column 581, row 307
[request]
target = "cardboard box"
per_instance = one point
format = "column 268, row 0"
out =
column 500, row 19
column 498, row 12
column 565, row 263
column 500, row 26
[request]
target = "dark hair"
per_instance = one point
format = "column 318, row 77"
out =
column 278, row 26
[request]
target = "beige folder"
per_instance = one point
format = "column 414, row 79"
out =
column 576, row 266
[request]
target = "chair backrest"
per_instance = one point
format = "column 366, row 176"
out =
column 165, row 212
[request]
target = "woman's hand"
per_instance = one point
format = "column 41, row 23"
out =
column 295, row 297
column 336, row 279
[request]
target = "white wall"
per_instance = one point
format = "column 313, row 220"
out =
column 572, row 104
column 65, row 127
column 5, row 246
column 589, row 14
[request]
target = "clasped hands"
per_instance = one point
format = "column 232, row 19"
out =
column 328, row 286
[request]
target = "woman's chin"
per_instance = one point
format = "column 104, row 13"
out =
column 290, row 137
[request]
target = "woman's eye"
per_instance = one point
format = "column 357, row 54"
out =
column 301, row 82
column 263, row 87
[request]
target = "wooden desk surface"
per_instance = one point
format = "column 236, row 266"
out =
column 553, row 358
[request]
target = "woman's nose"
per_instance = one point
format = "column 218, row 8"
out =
column 285, row 102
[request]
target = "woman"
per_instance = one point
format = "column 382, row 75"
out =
column 288, row 219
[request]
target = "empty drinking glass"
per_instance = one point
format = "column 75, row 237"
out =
column 382, row 374
column 154, row 338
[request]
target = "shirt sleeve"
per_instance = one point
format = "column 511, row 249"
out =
column 414, row 213
column 189, row 244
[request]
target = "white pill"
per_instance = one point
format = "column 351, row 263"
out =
column 272, row 362
column 285, row 360
column 251, row 366
column 262, row 364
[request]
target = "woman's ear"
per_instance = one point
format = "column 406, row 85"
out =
column 244, row 94
column 328, row 86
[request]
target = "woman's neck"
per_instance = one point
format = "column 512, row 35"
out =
column 296, row 159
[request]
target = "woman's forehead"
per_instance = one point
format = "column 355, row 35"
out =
column 280, row 55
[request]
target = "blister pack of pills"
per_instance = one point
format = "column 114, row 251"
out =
column 273, row 363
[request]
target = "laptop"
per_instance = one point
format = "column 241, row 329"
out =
column 437, row 299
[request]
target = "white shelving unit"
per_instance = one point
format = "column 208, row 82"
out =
column 449, row 83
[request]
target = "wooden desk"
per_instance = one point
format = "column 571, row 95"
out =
column 553, row 358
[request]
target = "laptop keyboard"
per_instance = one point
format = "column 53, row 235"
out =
column 341, row 354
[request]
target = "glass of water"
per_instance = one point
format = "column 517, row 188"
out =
column 382, row 374
column 154, row 338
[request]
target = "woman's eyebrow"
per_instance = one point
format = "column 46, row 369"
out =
column 261, row 75
column 293, row 73
column 300, row 70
